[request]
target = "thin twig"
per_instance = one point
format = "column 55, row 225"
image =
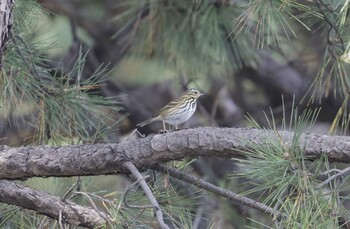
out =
column 331, row 171
column 93, row 205
column 342, row 173
column 76, row 186
column 280, row 202
column 219, row 191
column 43, row 223
column 79, row 184
column 135, row 172
column 134, row 134
column 101, row 198
column 198, row 217
column 69, row 191
column 127, row 192
column 330, row 23
column 60, row 220
column 30, row 65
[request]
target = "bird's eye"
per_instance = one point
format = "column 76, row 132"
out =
column 196, row 92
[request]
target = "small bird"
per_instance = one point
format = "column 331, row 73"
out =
column 178, row 111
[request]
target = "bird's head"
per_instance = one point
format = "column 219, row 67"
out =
column 194, row 93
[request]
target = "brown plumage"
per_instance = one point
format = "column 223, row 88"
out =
column 178, row 111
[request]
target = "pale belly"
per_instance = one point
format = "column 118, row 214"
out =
column 180, row 117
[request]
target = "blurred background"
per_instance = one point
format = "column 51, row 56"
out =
column 250, row 58
column 158, row 49
column 155, row 50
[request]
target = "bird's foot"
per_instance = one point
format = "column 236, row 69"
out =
column 163, row 131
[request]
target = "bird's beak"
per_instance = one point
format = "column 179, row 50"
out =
column 201, row 94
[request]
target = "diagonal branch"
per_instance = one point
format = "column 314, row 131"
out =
column 125, row 199
column 217, row 190
column 98, row 159
column 158, row 211
column 52, row 206
column 340, row 174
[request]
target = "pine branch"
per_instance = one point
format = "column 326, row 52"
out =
column 98, row 159
column 219, row 191
column 339, row 174
column 326, row 10
column 125, row 199
column 52, row 206
column 6, row 22
column 158, row 211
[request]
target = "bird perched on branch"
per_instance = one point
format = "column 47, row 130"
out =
column 178, row 111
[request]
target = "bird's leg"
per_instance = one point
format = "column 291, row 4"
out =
column 164, row 129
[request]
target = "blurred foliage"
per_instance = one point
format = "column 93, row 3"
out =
column 177, row 208
column 190, row 37
column 271, row 22
column 217, row 38
column 64, row 106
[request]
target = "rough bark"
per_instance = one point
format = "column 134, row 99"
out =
column 43, row 203
column 81, row 160
column 6, row 7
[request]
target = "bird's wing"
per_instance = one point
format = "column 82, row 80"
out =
column 170, row 105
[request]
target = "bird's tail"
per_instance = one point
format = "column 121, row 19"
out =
column 144, row 123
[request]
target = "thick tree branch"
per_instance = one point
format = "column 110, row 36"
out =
column 82, row 160
column 52, row 206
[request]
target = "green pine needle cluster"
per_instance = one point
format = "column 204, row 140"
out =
column 272, row 22
column 281, row 176
column 190, row 37
column 63, row 106
column 177, row 208
column 206, row 38
column 333, row 75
